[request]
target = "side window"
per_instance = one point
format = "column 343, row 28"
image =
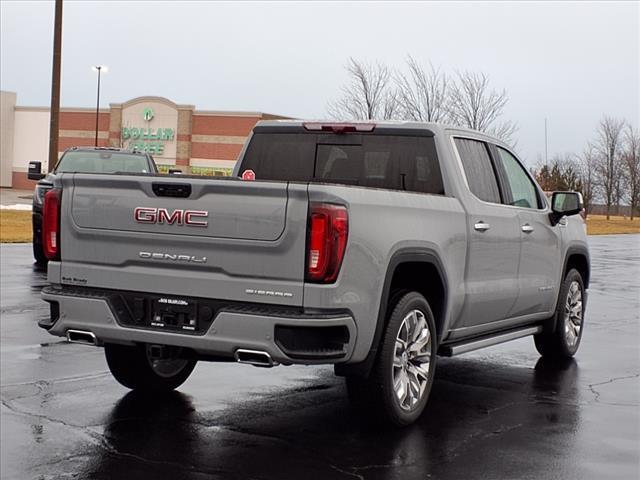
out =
column 523, row 191
column 478, row 169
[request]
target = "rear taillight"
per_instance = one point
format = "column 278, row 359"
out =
column 51, row 224
column 328, row 229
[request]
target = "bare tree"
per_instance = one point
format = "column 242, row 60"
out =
column 423, row 95
column 631, row 166
column 587, row 166
column 619, row 188
column 475, row 105
column 559, row 174
column 369, row 95
column 570, row 172
column 608, row 149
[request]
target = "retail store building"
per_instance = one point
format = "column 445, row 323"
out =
column 197, row 141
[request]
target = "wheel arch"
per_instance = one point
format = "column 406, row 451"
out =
column 577, row 256
column 416, row 269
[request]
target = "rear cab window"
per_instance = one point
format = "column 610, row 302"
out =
column 102, row 162
column 394, row 162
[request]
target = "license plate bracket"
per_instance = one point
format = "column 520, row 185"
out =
column 171, row 313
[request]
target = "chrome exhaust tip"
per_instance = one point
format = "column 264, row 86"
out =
column 257, row 358
column 81, row 336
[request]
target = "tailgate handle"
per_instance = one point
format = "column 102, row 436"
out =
column 180, row 190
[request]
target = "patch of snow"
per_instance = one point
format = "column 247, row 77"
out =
column 16, row 206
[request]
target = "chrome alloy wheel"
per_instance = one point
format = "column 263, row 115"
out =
column 410, row 370
column 166, row 367
column 573, row 314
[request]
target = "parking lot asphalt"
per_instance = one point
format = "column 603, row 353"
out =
column 497, row 413
column 11, row 196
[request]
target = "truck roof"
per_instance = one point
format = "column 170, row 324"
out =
column 107, row 149
column 433, row 127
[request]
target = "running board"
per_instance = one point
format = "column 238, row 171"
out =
column 477, row 343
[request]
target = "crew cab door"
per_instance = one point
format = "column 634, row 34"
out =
column 491, row 280
column 540, row 253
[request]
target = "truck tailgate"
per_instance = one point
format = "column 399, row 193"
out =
column 198, row 237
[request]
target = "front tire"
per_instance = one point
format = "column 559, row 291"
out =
column 565, row 339
column 398, row 388
column 38, row 253
column 135, row 368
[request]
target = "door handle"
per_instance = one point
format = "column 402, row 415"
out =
column 481, row 226
column 526, row 228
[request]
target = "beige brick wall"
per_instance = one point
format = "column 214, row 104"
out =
column 183, row 145
column 115, row 125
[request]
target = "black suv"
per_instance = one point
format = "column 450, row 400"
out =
column 81, row 160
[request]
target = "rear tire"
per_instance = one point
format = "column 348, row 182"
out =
column 398, row 387
column 133, row 367
column 564, row 340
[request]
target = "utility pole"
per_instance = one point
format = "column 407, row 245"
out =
column 98, row 68
column 55, row 87
column 546, row 159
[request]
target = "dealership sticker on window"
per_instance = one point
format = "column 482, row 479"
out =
column 249, row 175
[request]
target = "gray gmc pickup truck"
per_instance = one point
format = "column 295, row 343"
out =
column 371, row 246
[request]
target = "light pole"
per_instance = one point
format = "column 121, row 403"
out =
column 99, row 69
column 55, row 88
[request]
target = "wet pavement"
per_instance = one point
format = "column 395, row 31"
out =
column 496, row 413
column 12, row 196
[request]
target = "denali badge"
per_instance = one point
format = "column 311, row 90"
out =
column 178, row 217
column 173, row 257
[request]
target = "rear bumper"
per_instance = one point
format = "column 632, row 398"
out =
column 232, row 329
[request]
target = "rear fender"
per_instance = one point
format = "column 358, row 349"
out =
column 409, row 255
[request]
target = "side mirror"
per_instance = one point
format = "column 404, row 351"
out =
column 565, row 204
column 175, row 171
column 35, row 171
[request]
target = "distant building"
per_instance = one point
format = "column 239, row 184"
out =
column 197, row 141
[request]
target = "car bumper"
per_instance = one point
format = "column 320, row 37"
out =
column 231, row 330
column 36, row 221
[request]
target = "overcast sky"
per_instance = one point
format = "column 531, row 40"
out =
column 569, row 62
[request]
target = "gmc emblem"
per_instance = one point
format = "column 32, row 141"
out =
column 176, row 217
